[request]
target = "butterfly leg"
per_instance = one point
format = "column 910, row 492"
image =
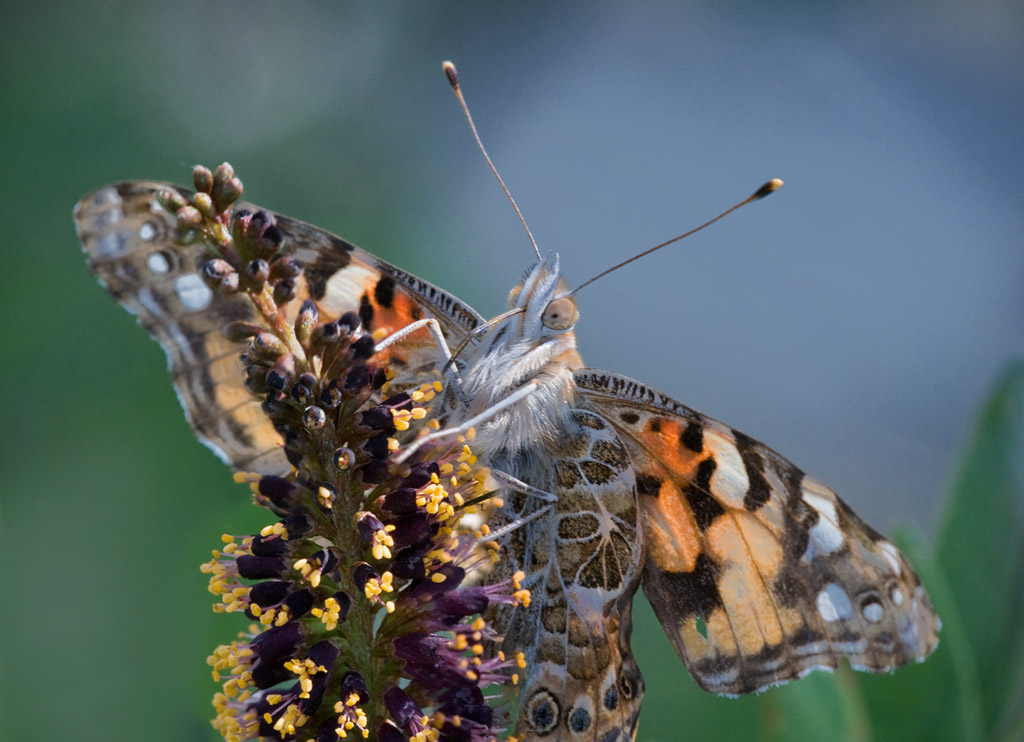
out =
column 519, row 394
column 451, row 371
column 507, row 480
column 513, row 525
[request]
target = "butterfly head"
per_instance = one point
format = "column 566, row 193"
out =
column 543, row 297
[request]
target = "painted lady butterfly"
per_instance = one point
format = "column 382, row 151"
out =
column 758, row 573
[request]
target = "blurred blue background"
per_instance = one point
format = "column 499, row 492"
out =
column 853, row 321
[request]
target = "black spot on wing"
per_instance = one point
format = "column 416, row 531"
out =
column 647, row 484
column 800, row 517
column 790, row 587
column 692, row 437
column 698, row 493
column 366, row 312
column 759, row 491
column 542, row 711
column 630, row 418
column 335, row 255
column 694, row 593
column 384, row 292
column 579, row 720
column 611, row 698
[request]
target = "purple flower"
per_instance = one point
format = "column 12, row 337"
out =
column 362, row 621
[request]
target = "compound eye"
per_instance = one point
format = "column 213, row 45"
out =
column 561, row 314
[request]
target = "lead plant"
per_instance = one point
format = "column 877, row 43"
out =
column 361, row 621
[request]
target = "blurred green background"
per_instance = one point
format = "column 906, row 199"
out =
column 854, row 321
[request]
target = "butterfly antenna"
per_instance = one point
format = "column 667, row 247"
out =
column 453, row 78
column 766, row 190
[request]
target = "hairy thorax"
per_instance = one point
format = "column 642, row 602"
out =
column 533, row 424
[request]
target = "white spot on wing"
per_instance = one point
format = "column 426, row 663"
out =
column 873, row 612
column 897, row 596
column 106, row 218
column 891, row 554
column 147, row 232
column 345, row 287
column 111, row 245
column 825, row 536
column 157, row 263
column 833, row 603
column 192, row 292
column 729, row 482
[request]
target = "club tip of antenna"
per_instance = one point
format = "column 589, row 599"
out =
column 452, row 73
column 767, row 189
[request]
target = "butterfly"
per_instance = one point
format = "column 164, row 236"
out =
column 758, row 573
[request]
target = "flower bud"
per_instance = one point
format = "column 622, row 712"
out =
column 171, row 201
column 285, row 291
column 314, row 418
column 204, row 204
column 257, row 271
column 306, row 321
column 202, row 179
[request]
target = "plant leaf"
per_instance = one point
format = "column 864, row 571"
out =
column 980, row 548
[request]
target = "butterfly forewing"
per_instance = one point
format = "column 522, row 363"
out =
column 129, row 239
column 130, row 243
column 758, row 573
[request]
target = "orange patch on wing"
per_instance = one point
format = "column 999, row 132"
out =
column 402, row 311
column 751, row 557
column 721, row 636
column 791, row 619
column 765, row 550
column 697, row 646
column 664, row 445
column 670, row 530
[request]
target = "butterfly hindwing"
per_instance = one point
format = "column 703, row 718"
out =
column 581, row 564
column 130, row 241
column 758, row 573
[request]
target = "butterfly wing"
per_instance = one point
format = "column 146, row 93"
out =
column 129, row 240
column 758, row 573
column 582, row 564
